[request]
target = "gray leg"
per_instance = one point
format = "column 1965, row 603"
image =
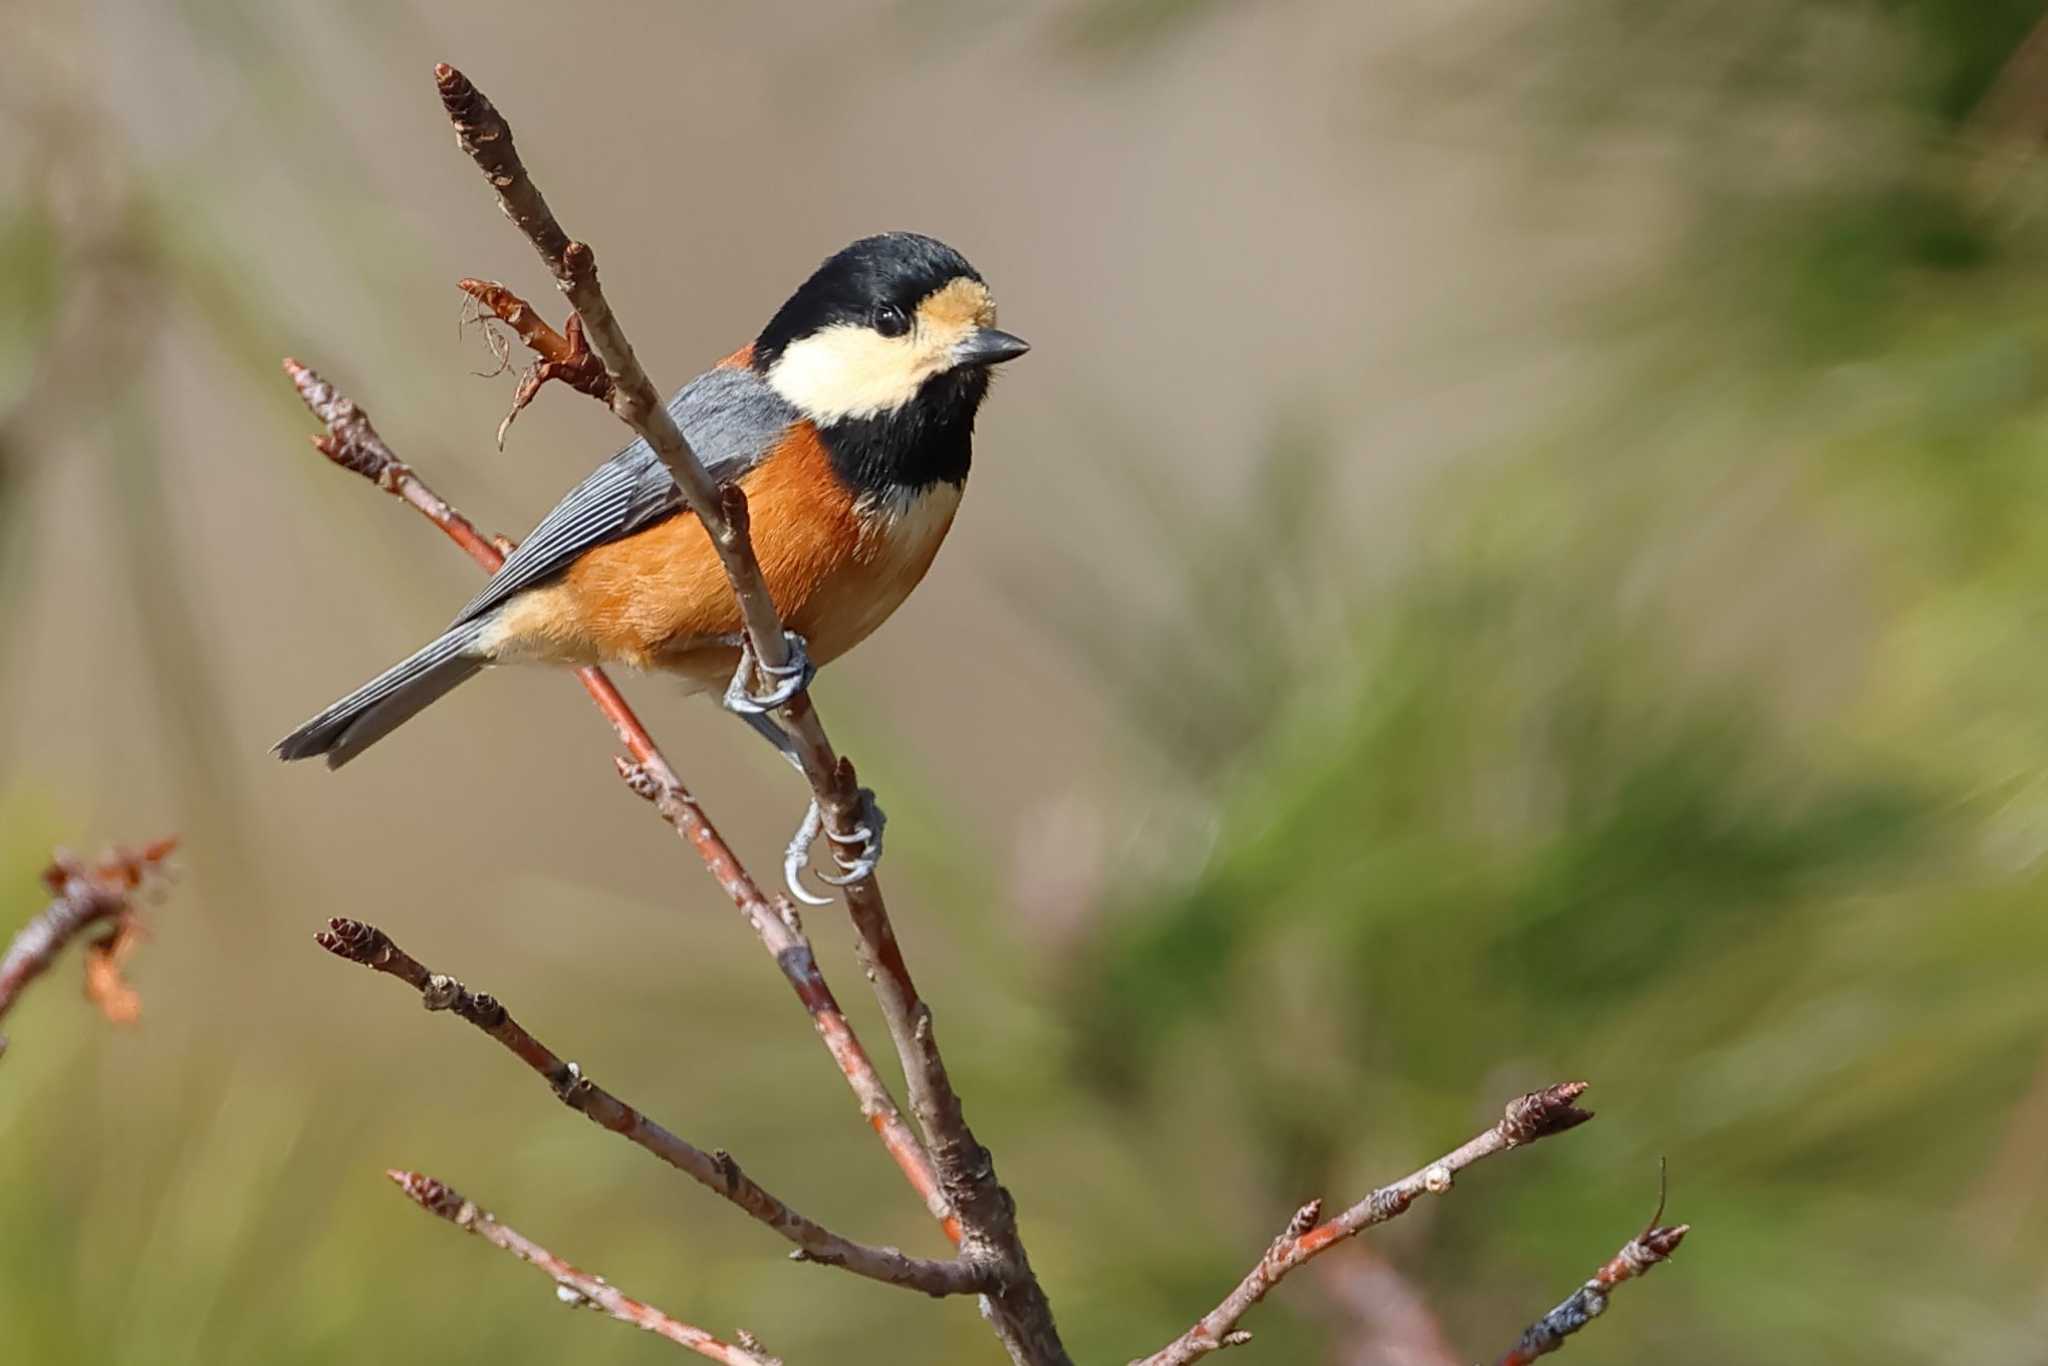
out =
column 791, row 679
column 867, row 837
column 768, row 729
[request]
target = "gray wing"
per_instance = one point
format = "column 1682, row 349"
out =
column 731, row 418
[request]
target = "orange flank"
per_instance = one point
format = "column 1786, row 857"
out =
column 659, row 598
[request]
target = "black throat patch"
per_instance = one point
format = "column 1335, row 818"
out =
column 927, row 441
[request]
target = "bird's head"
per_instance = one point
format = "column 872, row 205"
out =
column 887, row 348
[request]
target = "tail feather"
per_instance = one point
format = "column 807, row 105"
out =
column 387, row 701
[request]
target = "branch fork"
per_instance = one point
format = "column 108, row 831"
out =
column 563, row 357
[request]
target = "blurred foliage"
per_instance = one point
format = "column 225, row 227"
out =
column 1516, row 822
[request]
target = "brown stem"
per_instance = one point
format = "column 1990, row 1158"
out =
column 573, row 1285
column 84, row 896
column 353, row 443
column 781, row 933
column 1636, row 1258
column 1020, row 1313
column 716, row 1172
column 565, row 356
column 1526, row 1119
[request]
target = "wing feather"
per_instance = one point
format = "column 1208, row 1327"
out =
column 731, row 418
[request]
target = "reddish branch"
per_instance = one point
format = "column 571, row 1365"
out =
column 1526, row 1119
column 572, row 1285
column 353, row 443
column 1642, row 1252
column 85, row 896
column 1019, row 1312
column 781, row 933
column 564, row 356
column 717, row 1172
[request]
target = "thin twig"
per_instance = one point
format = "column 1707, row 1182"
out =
column 353, row 443
column 781, row 932
column 573, row 1286
column 1020, row 1312
column 1641, row 1253
column 717, row 1172
column 83, row 896
column 1526, row 1119
column 565, row 356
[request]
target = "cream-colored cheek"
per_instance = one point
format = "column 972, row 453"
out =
column 854, row 372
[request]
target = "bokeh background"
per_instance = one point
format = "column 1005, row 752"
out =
column 1518, row 554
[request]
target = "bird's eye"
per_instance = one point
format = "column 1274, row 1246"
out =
column 891, row 321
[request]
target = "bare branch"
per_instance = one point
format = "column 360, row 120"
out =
column 1020, row 1313
column 1636, row 1258
column 717, row 1172
column 350, row 432
column 352, row 442
column 573, row 1286
column 781, row 933
column 1526, row 1119
column 85, row 896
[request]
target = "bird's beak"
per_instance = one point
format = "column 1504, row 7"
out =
column 989, row 347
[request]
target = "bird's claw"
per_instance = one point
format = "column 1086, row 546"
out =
column 798, row 856
column 788, row 679
column 867, row 836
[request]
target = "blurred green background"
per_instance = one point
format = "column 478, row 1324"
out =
column 1516, row 557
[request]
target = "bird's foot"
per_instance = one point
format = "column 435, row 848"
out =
column 866, row 837
column 785, row 681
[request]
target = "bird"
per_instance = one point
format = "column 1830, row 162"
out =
column 849, row 424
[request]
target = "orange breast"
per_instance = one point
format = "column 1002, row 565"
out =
column 835, row 566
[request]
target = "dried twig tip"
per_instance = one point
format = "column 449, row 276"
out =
column 353, row 940
column 1543, row 1113
column 1662, row 1242
column 565, row 356
column 351, row 441
column 458, row 96
column 435, row 1197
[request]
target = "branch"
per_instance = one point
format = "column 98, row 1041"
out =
column 1020, row 1312
column 781, row 932
column 1636, row 1258
column 1526, row 1119
column 571, row 1285
column 564, row 356
column 84, row 897
column 716, row 1172
column 353, row 443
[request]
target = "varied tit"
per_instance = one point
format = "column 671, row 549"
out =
column 849, row 422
